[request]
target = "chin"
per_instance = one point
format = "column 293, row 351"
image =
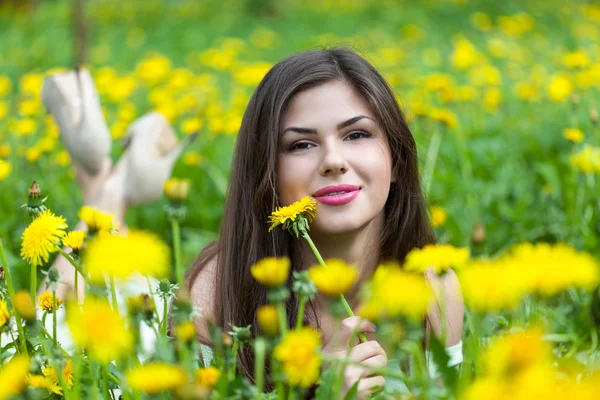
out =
column 336, row 226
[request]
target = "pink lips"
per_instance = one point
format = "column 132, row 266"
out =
column 345, row 194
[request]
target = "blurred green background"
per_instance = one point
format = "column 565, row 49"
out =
column 490, row 88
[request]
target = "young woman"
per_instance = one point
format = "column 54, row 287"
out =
column 325, row 124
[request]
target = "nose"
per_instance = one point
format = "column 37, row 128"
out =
column 333, row 161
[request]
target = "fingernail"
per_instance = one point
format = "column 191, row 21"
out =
column 374, row 327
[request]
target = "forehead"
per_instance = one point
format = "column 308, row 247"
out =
column 324, row 105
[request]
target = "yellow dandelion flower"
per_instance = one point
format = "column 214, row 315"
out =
column 13, row 377
column 67, row 373
column 574, row 135
column 576, row 59
column 45, row 302
column 185, row 331
column 394, row 292
column 207, row 377
column 271, row 271
column 334, row 279
column 24, row 305
column 549, row 269
column 42, row 237
column 445, row 117
column 100, row 329
column 4, row 313
column 491, row 286
column 42, row 382
column 5, row 169
column 155, row 378
column 96, row 220
column 177, row 190
column 438, row 215
column 191, row 125
column 440, row 257
column 268, row 319
column 587, row 160
column 284, row 216
column 560, row 88
column 298, row 354
column 486, row 388
column 74, row 239
column 120, row 256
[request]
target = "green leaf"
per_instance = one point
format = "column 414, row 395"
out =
column 441, row 358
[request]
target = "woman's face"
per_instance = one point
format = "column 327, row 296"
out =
column 331, row 148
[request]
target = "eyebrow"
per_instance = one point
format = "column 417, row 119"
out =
column 340, row 126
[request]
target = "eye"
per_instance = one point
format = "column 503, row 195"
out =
column 300, row 146
column 358, row 135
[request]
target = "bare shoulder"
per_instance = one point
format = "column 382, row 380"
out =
column 203, row 292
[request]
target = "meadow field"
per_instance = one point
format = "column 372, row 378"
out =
column 503, row 99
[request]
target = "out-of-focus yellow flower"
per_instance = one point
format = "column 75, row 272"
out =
column 5, row 169
column 560, row 88
column 207, row 377
column 251, row 75
column 3, row 110
column 587, row 160
column 155, row 378
column 217, row 59
column 45, row 302
column 122, row 89
column 119, row 129
column 177, row 190
column 440, row 257
column 30, row 108
column 168, row 110
column 491, row 99
column 527, row 91
column 180, row 79
column 576, row 59
column 443, row 116
column 67, row 373
column 438, row 215
column 394, row 292
column 5, row 85
column 74, row 239
column 264, row 38
column 334, row 279
column 23, row 303
column 486, row 388
column 268, row 319
column 100, row 329
column 492, row 286
column 96, row 220
column 4, row 313
column 299, row 357
column 191, row 125
column 121, row 256
column 105, row 78
column 438, row 81
column 481, row 21
column 42, row 237
column 33, row 154
column 62, row 158
column 13, row 376
column 485, row 75
column 271, row 271
column 306, row 207
column 4, row 150
column 513, row 353
column 25, row 127
column 575, row 135
column 153, row 70
column 542, row 266
column 186, row 331
column 31, row 84
column 42, row 382
column 517, row 24
column 464, row 53
column 192, row 159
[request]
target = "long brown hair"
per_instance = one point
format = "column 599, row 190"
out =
column 252, row 195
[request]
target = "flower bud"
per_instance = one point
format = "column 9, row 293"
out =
column 53, row 275
column 177, row 190
column 35, row 203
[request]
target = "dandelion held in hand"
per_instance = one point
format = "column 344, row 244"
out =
column 296, row 217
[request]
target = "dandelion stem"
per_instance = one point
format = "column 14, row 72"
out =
column 78, row 271
column 300, row 317
column 54, row 307
column 177, row 250
column 164, row 318
column 105, row 391
column 283, row 328
column 11, row 293
column 259, row 363
column 113, row 294
column 349, row 312
column 432, row 154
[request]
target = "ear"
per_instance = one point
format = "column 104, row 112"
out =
column 393, row 177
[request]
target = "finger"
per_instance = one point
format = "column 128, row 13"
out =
column 350, row 327
column 369, row 386
column 364, row 351
column 378, row 361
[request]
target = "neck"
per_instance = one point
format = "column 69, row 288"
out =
column 360, row 248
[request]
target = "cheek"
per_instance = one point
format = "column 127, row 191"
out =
column 293, row 179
